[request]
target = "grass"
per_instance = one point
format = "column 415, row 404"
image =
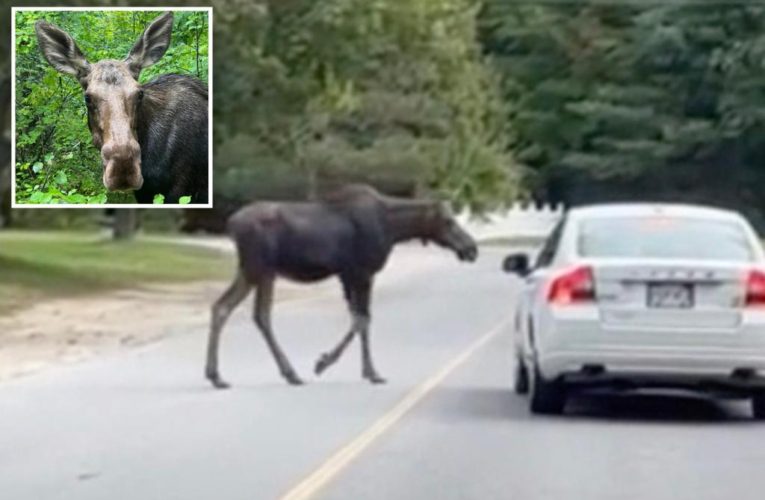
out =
column 39, row 265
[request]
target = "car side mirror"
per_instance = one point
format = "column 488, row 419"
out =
column 517, row 263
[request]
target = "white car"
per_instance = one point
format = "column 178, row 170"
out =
column 629, row 296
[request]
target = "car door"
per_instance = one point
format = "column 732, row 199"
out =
column 530, row 292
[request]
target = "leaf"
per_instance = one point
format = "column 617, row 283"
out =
column 184, row 200
column 36, row 197
column 76, row 199
column 97, row 200
column 159, row 200
column 60, row 177
column 37, row 167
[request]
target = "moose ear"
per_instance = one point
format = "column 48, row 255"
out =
column 60, row 50
column 152, row 45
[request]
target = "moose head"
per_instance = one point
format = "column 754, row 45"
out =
column 112, row 93
column 444, row 230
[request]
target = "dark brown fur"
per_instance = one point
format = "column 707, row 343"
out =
column 349, row 234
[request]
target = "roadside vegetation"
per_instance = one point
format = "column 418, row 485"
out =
column 481, row 102
column 35, row 266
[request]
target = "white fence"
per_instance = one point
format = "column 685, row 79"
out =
column 518, row 222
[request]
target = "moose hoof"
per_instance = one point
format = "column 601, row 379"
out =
column 293, row 379
column 375, row 379
column 218, row 382
column 322, row 363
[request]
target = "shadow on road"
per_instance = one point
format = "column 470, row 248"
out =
column 489, row 403
column 497, row 403
column 657, row 407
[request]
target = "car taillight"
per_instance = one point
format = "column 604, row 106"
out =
column 755, row 288
column 576, row 285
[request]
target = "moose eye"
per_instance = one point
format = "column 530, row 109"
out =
column 88, row 100
column 140, row 95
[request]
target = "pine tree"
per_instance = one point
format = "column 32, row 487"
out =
column 634, row 101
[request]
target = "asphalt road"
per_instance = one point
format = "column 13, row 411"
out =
column 145, row 425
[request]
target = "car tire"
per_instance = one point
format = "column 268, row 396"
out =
column 758, row 406
column 521, row 377
column 547, row 397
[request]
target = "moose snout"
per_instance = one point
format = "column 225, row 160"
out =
column 122, row 166
column 469, row 253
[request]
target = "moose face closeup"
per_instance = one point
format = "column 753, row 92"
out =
column 112, row 94
column 447, row 233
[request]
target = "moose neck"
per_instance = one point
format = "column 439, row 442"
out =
column 147, row 111
column 408, row 220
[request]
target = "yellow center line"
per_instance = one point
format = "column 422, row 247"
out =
column 319, row 478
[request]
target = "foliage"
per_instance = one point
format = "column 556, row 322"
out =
column 392, row 92
column 55, row 159
column 586, row 101
column 160, row 200
column 620, row 101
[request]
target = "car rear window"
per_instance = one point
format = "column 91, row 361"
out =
column 664, row 237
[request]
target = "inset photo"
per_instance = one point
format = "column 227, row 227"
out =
column 112, row 107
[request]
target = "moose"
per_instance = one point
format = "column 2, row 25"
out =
column 349, row 234
column 152, row 136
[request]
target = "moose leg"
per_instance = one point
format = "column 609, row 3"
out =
column 330, row 357
column 221, row 310
column 264, row 295
column 362, row 318
column 368, row 370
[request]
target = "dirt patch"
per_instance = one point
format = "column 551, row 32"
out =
column 74, row 329
column 71, row 330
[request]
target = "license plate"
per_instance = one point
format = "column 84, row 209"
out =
column 670, row 296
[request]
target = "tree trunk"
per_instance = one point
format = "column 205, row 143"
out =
column 5, row 204
column 5, row 182
column 312, row 188
column 5, row 151
column 125, row 224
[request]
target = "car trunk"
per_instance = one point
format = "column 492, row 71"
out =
column 670, row 295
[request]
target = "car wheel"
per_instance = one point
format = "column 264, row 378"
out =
column 758, row 406
column 547, row 397
column 521, row 377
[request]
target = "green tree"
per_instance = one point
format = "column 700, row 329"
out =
column 391, row 92
column 634, row 101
